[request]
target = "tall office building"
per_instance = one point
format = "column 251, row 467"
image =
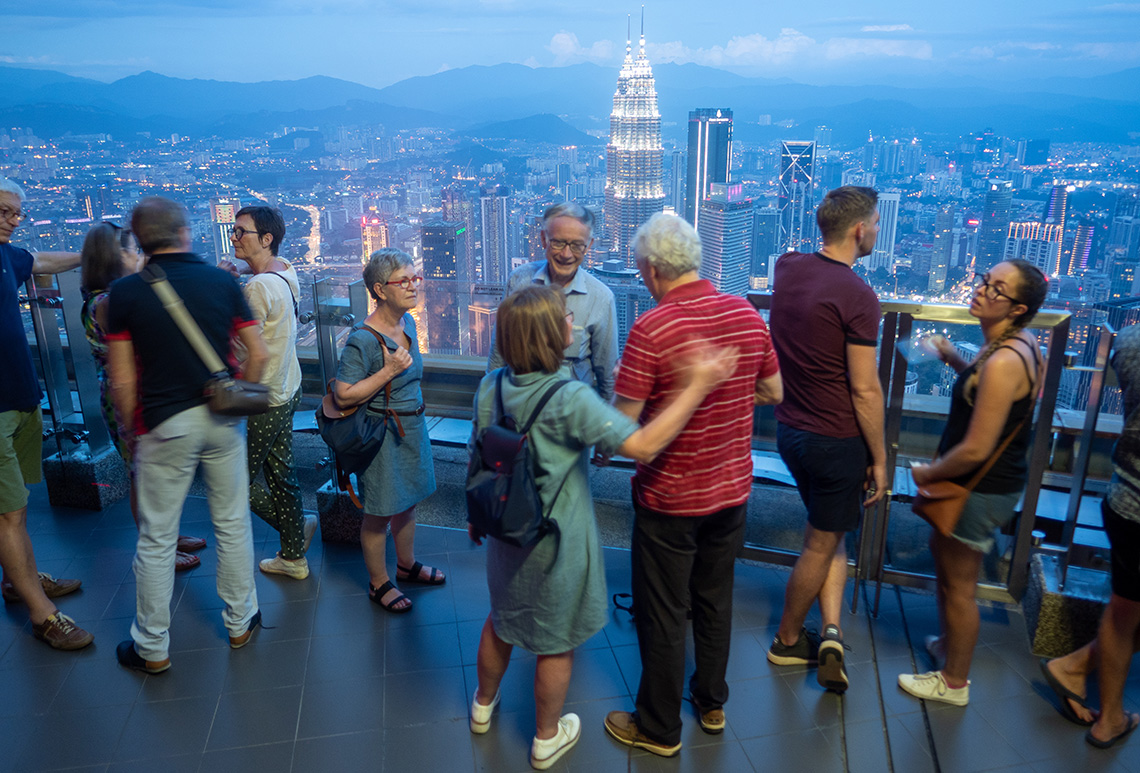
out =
column 634, row 154
column 822, row 138
column 373, row 236
column 223, row 213
column 941, row 250
column 883, row 254
column 494, row 215
column 1038, row 243
column 631, row 298
column 994, row 227
column 765, row 246
column 1081, row 256
column 797, row 195
column 1055, row 210
column 449, row 296
column 457, row 206
column 678, row 166
column 710, row 157
column 725, row 228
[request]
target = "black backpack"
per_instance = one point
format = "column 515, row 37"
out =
column 502, row 498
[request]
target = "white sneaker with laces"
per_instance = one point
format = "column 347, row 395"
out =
column 298, row 569
column 544, row 753
column 932, row 686
column 481, row 715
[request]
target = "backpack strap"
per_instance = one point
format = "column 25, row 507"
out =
column 549, row 393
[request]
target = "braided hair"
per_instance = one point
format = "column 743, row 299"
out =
column 1031, row 291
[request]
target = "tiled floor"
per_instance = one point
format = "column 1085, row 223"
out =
column 334, row 683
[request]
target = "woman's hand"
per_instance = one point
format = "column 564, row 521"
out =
column 709, row 368
column 920, row 473
column 398, row 361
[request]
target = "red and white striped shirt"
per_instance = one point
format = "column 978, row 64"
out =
column 708, row 467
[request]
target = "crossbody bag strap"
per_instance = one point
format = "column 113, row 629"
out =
column 156, row 278
column 388, row 386
column 981, row 473
column 291, row 295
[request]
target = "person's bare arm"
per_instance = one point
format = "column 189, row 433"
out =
column 867, row 398
column 124, row 386
column 257, row 354
column 54, row 262
column 770, row 390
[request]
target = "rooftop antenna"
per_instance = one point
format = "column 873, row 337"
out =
column 628, row 34
column 642, row 47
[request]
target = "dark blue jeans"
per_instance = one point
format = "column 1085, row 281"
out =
column 681, row 562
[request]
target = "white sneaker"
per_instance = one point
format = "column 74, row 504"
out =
column 932, row 686
column 310, row 528
column 298, row 569
column 544, row 754
column 481, row 715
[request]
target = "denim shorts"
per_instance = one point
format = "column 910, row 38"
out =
column 829, row 473
column 983, row 515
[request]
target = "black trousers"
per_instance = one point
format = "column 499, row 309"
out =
column 677, row 562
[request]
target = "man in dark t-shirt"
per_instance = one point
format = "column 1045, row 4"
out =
column 157, row 382
column 21, row 435
column 825, row 324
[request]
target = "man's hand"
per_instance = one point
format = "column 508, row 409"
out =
column 876, row 485
column 475, row 536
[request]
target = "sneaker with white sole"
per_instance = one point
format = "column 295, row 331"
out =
column 298, row 569
column 309, row 528
column 544, row 753
column 481, row 715
column 831, row 673
column 804, row 652
column 932, row 686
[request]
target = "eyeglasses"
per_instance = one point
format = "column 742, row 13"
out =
column 578, row 248
column 990, row 291
column 407, row 282
column 13, row 214
column 239, row 233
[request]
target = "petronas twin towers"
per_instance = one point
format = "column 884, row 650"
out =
column 634, row 154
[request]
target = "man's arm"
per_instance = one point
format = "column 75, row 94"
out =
column 54, row 262
column 603, row 350
column 867, row 397
column 770, row 390
column 124, row 387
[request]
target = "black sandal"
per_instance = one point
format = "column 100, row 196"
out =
column 413, row 575
column 375, row 594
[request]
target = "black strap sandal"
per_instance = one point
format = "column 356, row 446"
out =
column 413, row 575
column 375, row 594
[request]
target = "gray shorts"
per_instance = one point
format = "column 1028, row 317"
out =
column 983, row 515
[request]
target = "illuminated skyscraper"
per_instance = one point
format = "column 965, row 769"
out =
column 942, row 249
column 710, row 156
column 765, row 246
column 634, row 154
column 1082, row 249
column 1055, row 209
column 449, row 289
column 726, row 238
column 1038, row 243
column 797, row 195
column 223, row 213
column 994, row 227
column 883, row 254
column 494, row 209
column 456, row 202
column 373, row 235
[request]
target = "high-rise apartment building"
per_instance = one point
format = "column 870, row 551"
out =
column 710, row 157
column 449, row 288
column 797, row 195
column 494, row 213
column 1081, row 256
column 374, row 236
column 1056, row 209
column 1038, row 243
column 725, row 228
column 883, row 254
column 994, row 227
column 941, row 250
column 223, row 214
column 634, row 154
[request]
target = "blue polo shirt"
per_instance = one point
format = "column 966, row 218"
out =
column 171, row 376
column 19, row 386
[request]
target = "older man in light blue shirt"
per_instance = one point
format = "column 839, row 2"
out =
column 567, row 235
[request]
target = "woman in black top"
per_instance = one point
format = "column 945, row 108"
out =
column 992, row 398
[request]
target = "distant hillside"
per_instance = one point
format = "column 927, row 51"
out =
column 534, row 128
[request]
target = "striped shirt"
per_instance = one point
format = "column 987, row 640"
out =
column 709, row 465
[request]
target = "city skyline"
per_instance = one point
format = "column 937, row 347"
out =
column 886, row 42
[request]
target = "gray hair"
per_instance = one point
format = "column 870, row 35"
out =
column 669, row 244
column 7, row 186
column 382, row 264
column 570, row 209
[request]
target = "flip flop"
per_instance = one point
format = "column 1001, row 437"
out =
column 1133, row 721
column 413, row 575
column 1066, row 695
column 184, row 561
column 190, row 544
column 375, row 594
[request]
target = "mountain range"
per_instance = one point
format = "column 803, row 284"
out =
column 560, row 104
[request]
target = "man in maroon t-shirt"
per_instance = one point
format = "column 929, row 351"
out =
column 690, row 502
column 825, row 324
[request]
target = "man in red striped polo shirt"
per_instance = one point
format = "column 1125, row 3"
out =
column 690, row 502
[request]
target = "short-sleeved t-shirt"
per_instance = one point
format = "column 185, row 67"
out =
column 171, row 375
column 708, row 467
column 19, row 387
column 819, row 306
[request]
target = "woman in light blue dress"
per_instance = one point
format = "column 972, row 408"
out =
column 551, row 597
column 402, row 474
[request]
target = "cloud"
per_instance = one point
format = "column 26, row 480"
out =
column 789, row 47
column 567, row 50
column 887, row 28
column 851, row 48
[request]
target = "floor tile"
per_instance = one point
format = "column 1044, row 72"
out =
column 349, row 706
column 167, row 728
column 255, row 717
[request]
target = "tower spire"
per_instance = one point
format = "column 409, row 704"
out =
column 628, row 35
column 641, row 50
